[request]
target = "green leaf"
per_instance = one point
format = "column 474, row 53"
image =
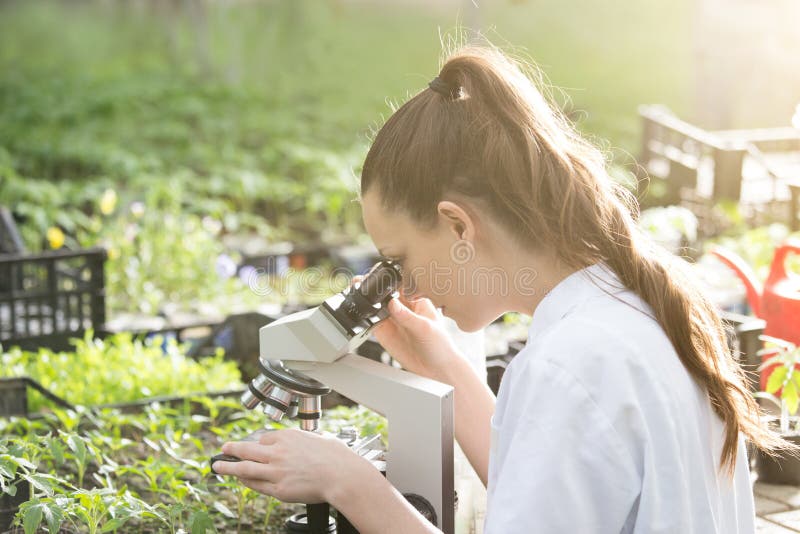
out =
column 224, row 510
column 54, row 515
column 41, row 481
column 7, row 469
column 22, row 462
column 200, row 523
column 776, row 379
column 152, row 444
column 81, row 512
column 58, row 453
column 114, row 524
column 78, row 447
column 32, row 518
column 790, row 395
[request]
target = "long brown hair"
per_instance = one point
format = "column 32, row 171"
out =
column 495, row 139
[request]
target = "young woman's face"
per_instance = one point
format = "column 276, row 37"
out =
column 437, row 264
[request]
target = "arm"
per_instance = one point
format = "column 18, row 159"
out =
column 305, row 467
column 473, row 406
column 374, row 506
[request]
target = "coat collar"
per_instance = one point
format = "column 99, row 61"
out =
column 591, row 281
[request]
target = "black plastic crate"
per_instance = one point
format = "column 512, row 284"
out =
column 9, row 506
column 14, row 396
column 744, row 339
column 48, row 298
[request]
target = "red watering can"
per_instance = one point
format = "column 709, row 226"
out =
column 778, row 302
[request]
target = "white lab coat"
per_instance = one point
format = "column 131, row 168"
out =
column 599, row 428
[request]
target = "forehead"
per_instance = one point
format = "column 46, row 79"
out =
column 387, row 228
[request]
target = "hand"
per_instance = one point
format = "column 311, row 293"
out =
column 292, row 465
column 413, row 335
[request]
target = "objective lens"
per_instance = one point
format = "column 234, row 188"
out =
column 257, row 392
column 293, row 407
column 309, row 413
column 277, row 403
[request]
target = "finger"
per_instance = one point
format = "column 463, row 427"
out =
column 404, row 317
column 388, row 334
column 425, row 308
column 245, row 469
column 406, row 298
column 248, row 450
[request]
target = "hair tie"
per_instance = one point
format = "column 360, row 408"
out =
column 437, row 85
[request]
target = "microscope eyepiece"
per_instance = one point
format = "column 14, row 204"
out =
column 375, row 288
column 380, row 282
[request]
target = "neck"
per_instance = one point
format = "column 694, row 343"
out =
column 531, row 276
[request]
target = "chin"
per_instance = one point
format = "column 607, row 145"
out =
column 473, row 324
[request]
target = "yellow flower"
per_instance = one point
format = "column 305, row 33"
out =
column 55, row 236
column 108, row 202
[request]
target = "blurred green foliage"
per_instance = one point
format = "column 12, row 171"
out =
column 257, row 115
column 119, row 369
column 757, row 246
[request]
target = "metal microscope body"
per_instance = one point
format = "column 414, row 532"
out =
column 310, row 352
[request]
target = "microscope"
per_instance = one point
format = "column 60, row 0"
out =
column 307, row 354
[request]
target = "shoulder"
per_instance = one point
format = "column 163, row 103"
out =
column 606, row 331
column 611, row 354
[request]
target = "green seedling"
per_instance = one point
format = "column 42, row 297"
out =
column 105, row 510
column 51, row 510
column 117, row 369
column 784, row 380
column 244, row 496
column 81, row 452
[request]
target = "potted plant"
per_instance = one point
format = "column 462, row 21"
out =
column 783, row 390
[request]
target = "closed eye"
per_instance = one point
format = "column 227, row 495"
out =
column 395, row 259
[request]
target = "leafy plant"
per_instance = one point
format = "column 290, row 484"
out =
column 119, row 368
column 365, row 420
column 81, row 452
column 143, row 471
column 783, row 382
column 670, row 226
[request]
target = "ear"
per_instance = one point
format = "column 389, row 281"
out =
column 457, row 220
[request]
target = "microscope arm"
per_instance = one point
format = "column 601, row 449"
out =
column 420, row 415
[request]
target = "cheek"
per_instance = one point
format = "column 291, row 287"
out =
column 416, row 279
column 469, row 318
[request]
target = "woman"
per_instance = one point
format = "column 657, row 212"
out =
column 624, row 412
